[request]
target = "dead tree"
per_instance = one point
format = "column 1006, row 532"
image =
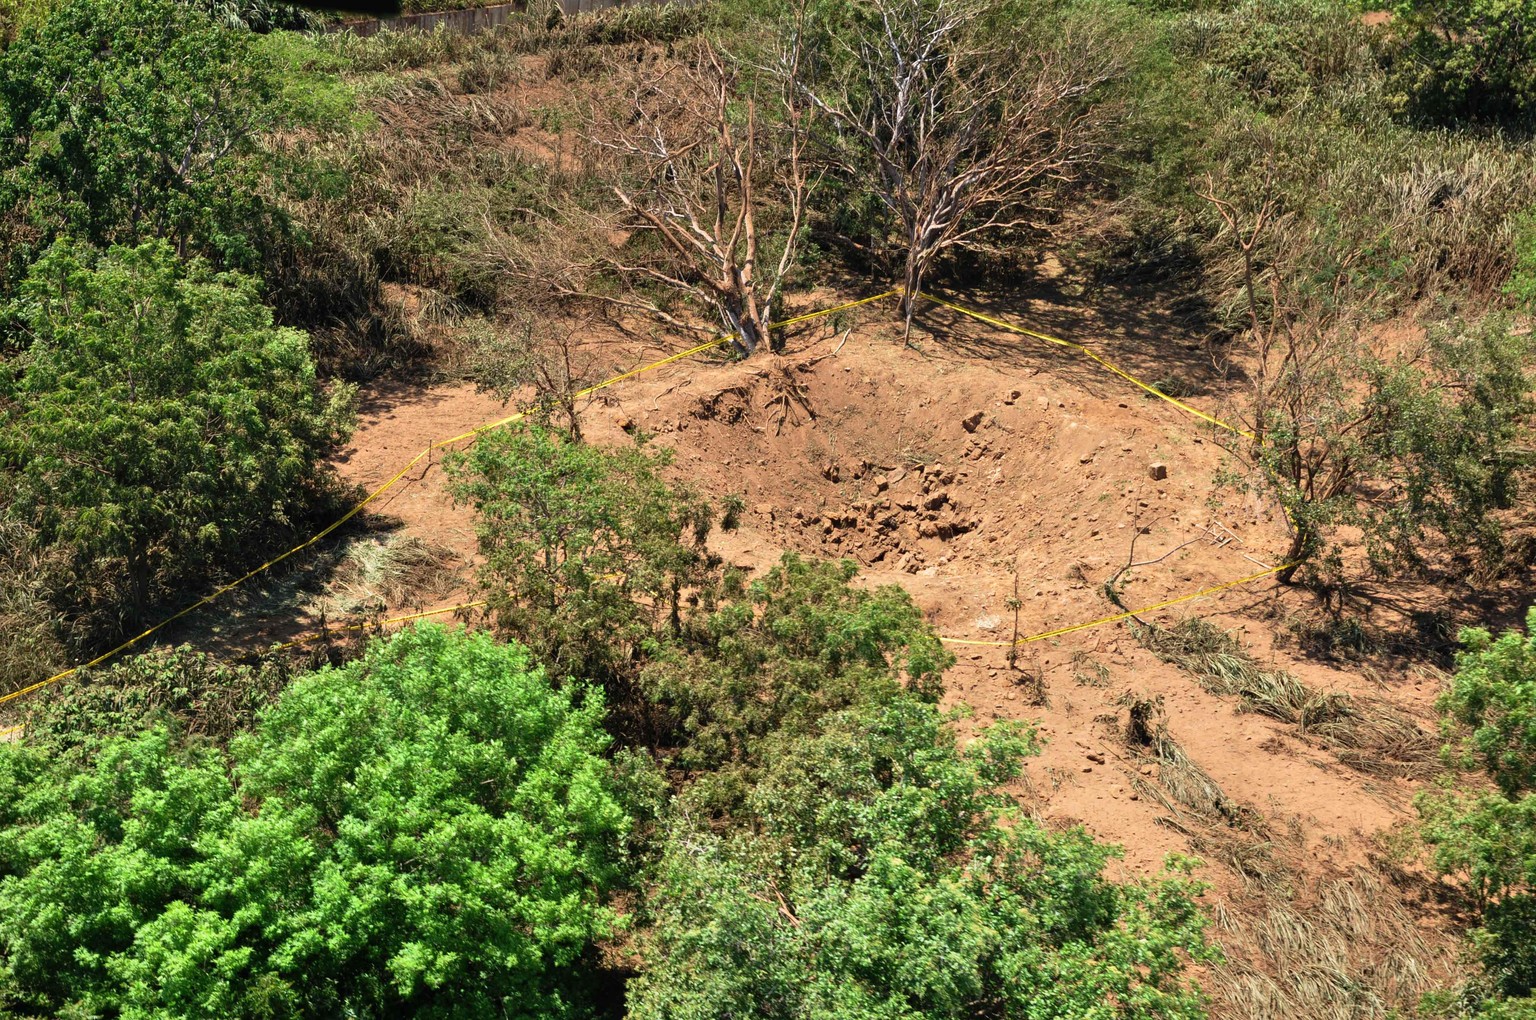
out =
column 697, row 171
column 1308, row 411
column 957, row 134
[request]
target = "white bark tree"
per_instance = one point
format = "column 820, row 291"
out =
column 958, row 134
column 698, row 170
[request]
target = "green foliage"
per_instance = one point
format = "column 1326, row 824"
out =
column 125, row 121
column 191, row 694
column 878, row 873
column 1287, row 101
column 1275, row 53
column 1489, row 838
column 1431, row 443
column 1468, row 61
column 588, row 552
column 1491, row 708
column 158, row 422
column 257, row 15
column 1522, row 281
column 16, row 16
column 798, row 645
column 427, row 831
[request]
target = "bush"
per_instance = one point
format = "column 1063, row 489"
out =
column 588, row 552
column 190, row 694
column 121, row 122
column 798, row 645
column 1467, row 61
column 1489, row 838
column 158, row 425
column 878, row 873
column 428, row 832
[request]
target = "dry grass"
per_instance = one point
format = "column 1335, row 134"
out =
column 1216, row 826
column 1367, row 734
column 1347, row 950
column 380, row 573
column 34, row 638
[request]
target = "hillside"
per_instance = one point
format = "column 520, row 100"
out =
column 1062, row 616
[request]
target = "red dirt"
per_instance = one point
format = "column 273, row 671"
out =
column 896, row 472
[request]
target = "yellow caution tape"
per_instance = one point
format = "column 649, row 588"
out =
column 1058, row 632
column 376, row 493
column 1010, row 327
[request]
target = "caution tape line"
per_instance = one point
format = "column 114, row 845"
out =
column 1080, row 348
column 1058, row 632
column 376, row 493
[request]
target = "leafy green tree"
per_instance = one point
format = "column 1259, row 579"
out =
column 798, row 645
column 1488, row 837
column 158, row 423
column 120, row 122
column 878, row 871
column 589, row 553
column 427, row 831
column 1467, row 60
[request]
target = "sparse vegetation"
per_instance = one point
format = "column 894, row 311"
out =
column 1367, row 735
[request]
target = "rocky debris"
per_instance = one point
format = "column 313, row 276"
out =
column 887, row 525
column 972, row 421
column 1158, row 470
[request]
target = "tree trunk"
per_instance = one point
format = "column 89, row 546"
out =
column 911, row 291
column 1300, row 551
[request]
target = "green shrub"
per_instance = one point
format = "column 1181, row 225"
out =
column 798, row 645
column 1489, row 838
column 121, row 122
column 158, row 426
column 191, row 694
column 1466, row 61
column 428, row 831
column 588, row 551
column 876, row 871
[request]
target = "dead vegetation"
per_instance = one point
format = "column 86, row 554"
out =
column 1346, row 949
column 380, row 573
column 1367, row 734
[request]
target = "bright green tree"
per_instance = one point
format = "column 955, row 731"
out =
column 877, row 870
column 427, row 831
column 1488, row 837
column 588, row 552
column 158, row 423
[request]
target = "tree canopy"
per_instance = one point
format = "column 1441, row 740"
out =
column 158, row 420
column 427, row 831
